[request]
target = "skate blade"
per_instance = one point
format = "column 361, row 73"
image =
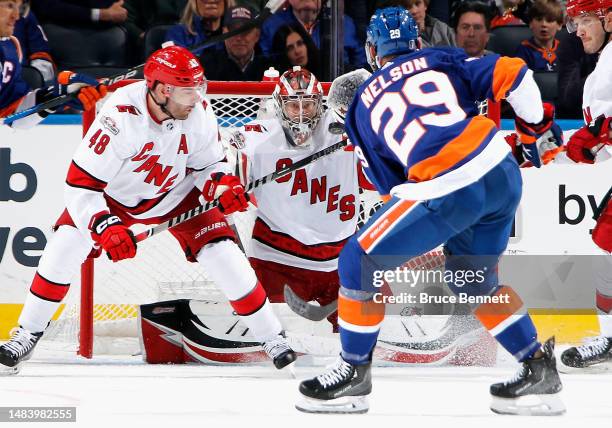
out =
column 603, row 367
column 9, row 371
column 342, row 405
column 529, row 405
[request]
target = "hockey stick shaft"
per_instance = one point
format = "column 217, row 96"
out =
column 181, row 218
column 271, row 7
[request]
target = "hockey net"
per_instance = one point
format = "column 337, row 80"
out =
column 100, row 312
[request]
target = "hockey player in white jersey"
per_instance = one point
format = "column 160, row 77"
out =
column 591, row 143
column 151, row 153
column 303, row 219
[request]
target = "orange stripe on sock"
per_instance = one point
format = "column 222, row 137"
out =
column 493, row 314
column 382, row 224
column 454, row 151
column 360, row 313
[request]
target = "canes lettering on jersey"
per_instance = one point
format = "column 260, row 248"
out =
column 323, row 193
column 318, row 190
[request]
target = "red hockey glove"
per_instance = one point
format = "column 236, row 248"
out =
column 114, row 237
column 535, row 149
column 583, row 142
column 229, row 191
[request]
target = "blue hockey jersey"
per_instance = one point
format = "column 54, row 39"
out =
column 12, row 86
column 415, row 122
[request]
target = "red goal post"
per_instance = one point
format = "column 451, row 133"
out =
column 234, row 103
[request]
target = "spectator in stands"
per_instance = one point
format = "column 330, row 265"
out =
column 144, row 14
column 578, row 54
column 433, row 32
column 472, row 28
column 297, row 48
column 242, row 60
column 34, row 46
column 540, row 51
column 256, row 5
column 201, row 20
column 306, row 13
column 507, row 14
column 80, row 12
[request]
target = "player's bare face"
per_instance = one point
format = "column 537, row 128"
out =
column 9, row 14
column 590, row 30
column 297, row 52
column 608, row 21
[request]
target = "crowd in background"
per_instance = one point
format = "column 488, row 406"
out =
column 293, row 36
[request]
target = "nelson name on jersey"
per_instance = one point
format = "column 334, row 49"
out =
column 376, row 86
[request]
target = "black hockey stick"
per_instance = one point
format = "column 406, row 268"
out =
column 181, row 218
column 271, row 7
column 307, row 310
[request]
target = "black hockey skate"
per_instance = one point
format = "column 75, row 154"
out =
column 279, row 351
column 342, row 389
column 595, row 351
column 534, row 390
column 17, row 350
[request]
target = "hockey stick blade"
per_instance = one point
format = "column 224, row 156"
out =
column 305, row 309
column 181, row 218
column 271, row 7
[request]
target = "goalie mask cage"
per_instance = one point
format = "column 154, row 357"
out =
column 100, row 315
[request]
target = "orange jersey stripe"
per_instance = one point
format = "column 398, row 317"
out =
column 458, row 148
column 383, row 223
column 493, row 314
column 504, row 75
column 360, row 313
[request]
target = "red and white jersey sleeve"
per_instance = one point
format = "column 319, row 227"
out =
column 146, row 166
column 303, row 219
column 597, row 94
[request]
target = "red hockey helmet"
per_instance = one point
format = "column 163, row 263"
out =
column 174, row 65
column 576, row 8
column 299, row 103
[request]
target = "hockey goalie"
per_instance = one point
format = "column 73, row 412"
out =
column 301, row 223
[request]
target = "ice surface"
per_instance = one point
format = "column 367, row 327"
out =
column 124, row 392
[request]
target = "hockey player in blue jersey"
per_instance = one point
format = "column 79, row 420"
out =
column 452, row 180
column 16, row 95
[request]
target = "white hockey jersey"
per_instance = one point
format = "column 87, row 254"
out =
column 145, row 166
column 597, row 94
column 303, row 219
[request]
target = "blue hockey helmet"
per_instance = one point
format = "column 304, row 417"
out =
column 392, row 31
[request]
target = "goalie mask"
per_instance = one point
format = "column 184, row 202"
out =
column 298, row 99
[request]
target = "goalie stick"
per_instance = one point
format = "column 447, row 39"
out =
column 270, row 8
column 181, row 218
column 305, row 309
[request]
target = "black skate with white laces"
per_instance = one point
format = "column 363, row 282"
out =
column 342, row 389
column 595, row 351
column 534, row 390
column 17, row 350
column 279, row 351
